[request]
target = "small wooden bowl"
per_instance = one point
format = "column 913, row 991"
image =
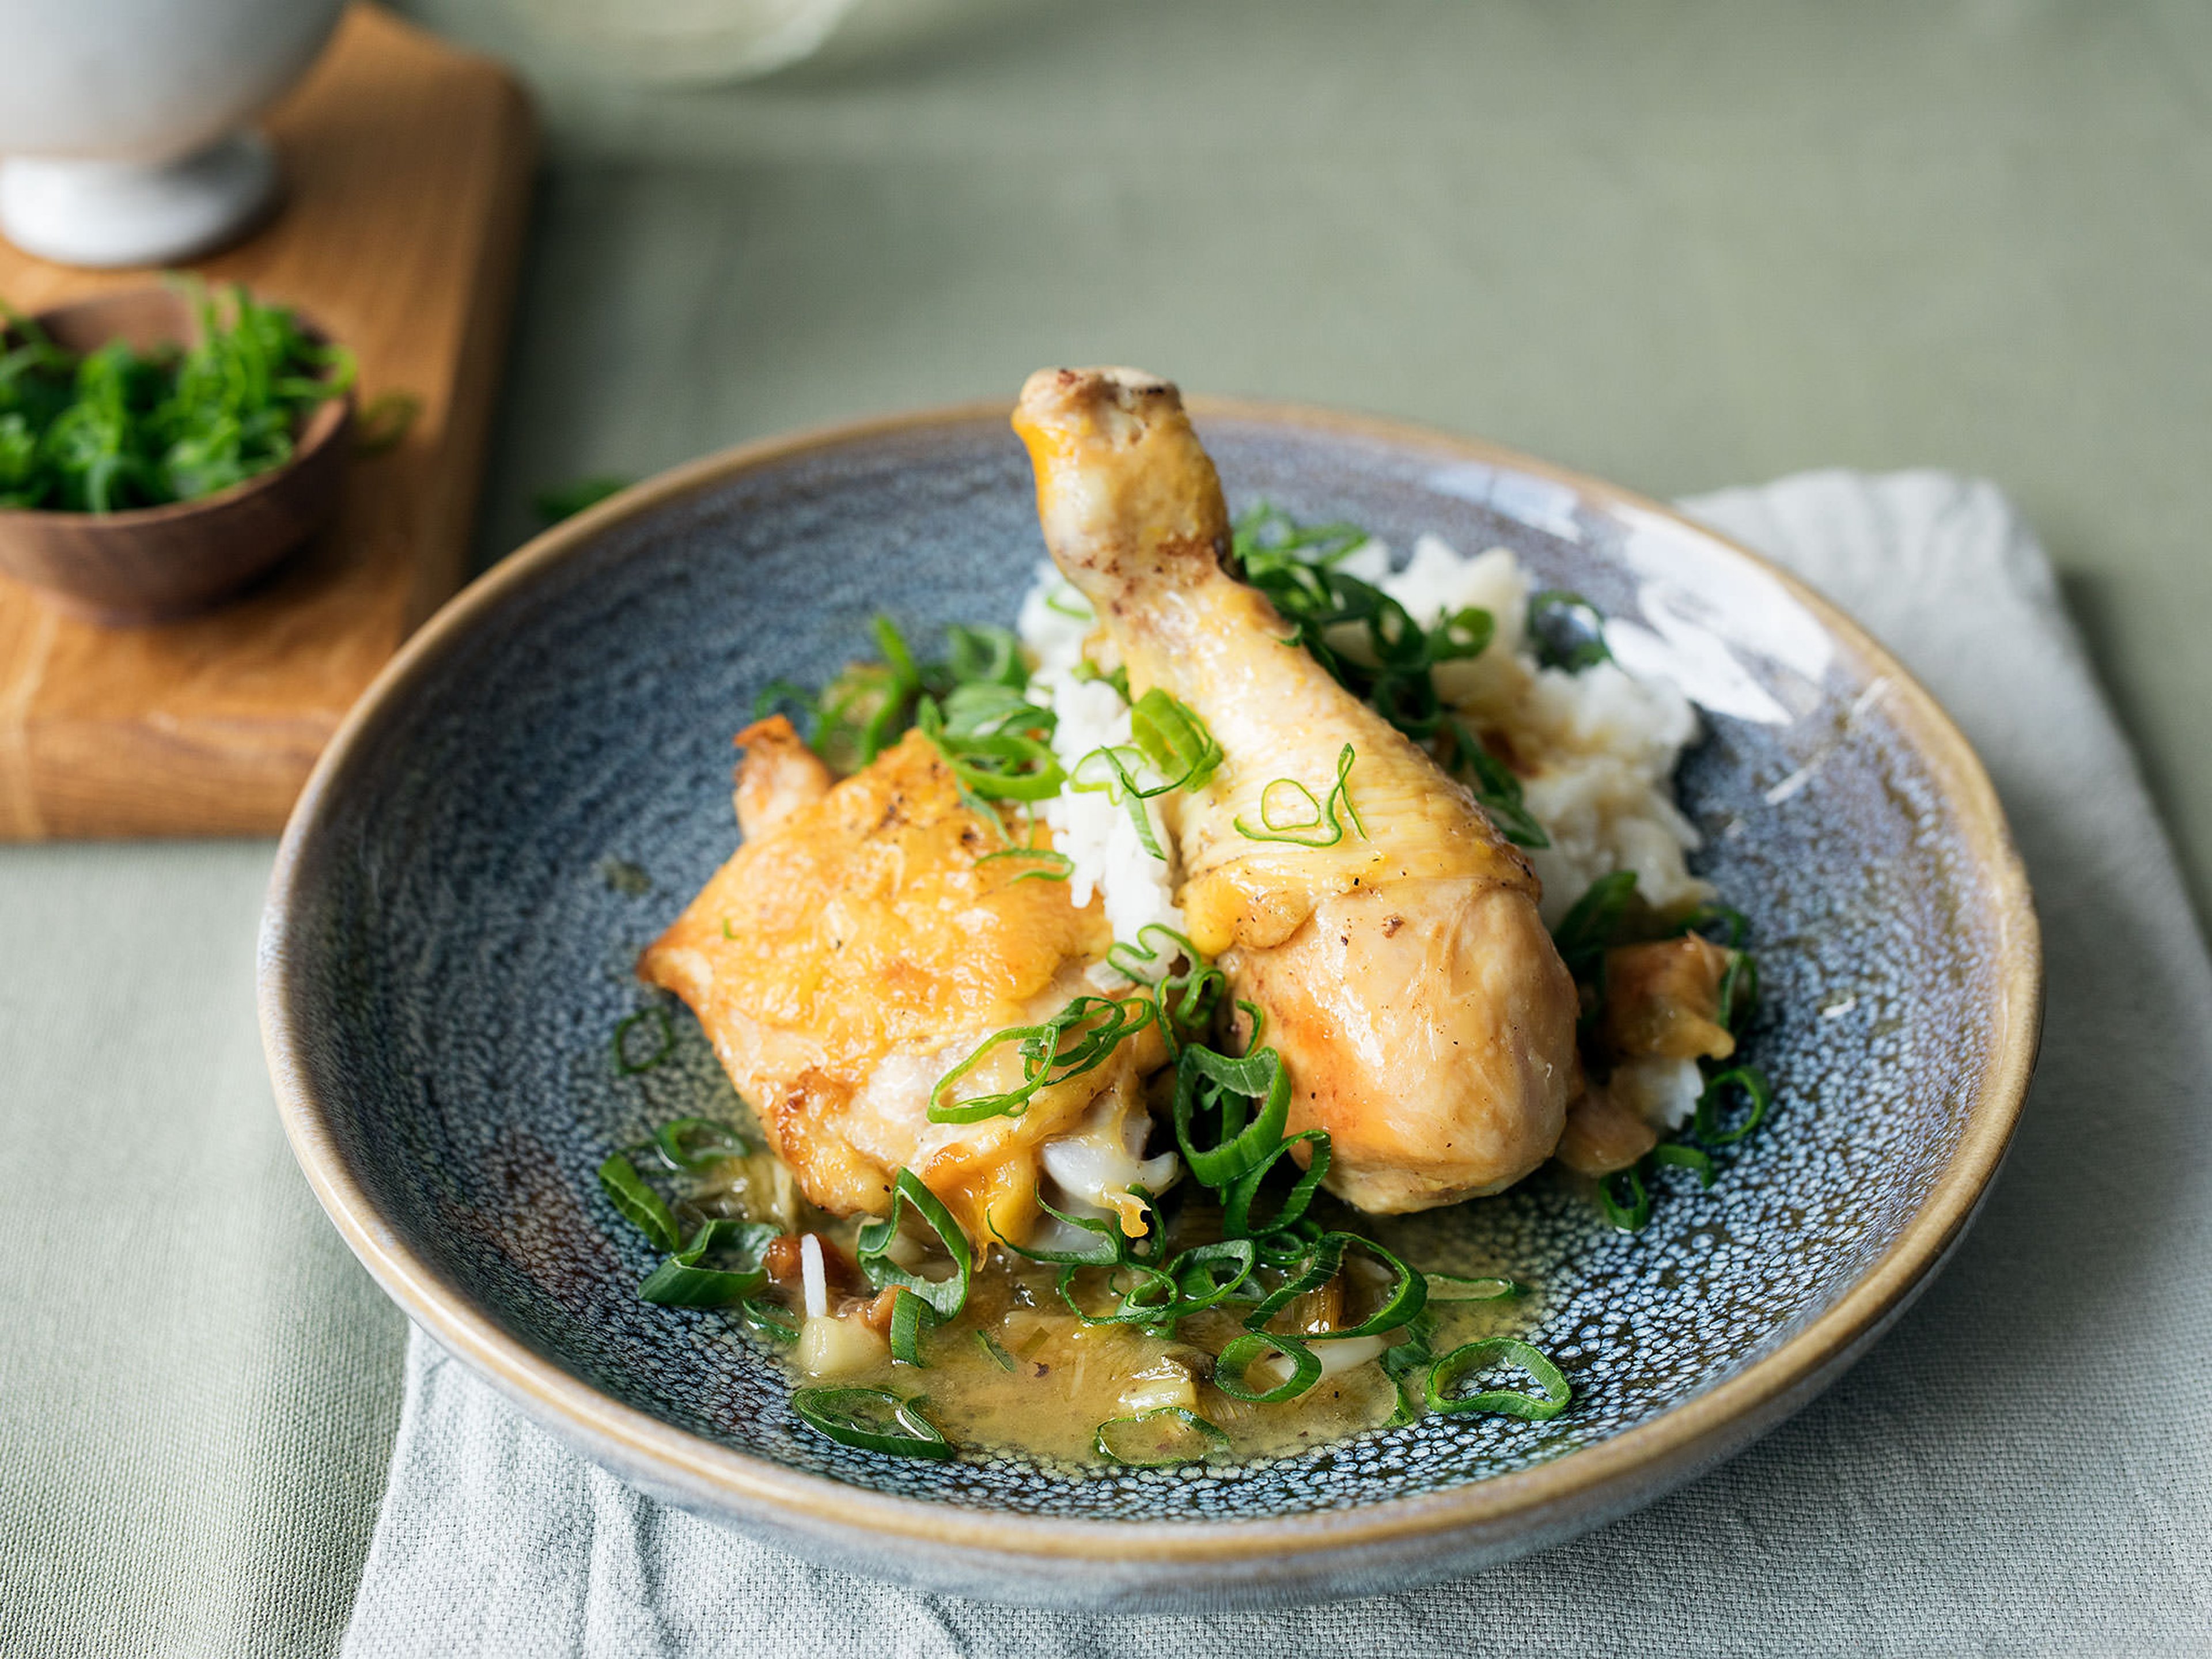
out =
column 153, row 563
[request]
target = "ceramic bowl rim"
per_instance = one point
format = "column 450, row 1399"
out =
column 1699, row 1429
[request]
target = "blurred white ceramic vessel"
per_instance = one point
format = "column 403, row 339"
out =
column 123, row 122
column 678, row 42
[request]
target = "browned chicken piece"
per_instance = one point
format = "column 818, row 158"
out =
column 1426, row 1020
column 1663, row 999
column 1602, row 1136
column 853, row 950
column 780, row 776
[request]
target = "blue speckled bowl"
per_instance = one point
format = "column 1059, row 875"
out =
column 445, row 956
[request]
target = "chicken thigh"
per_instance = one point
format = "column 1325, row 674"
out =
column 1425, row 1020
column 853, row 950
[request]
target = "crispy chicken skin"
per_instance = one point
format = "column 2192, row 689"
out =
column 853, row 950
column 1427, row 1023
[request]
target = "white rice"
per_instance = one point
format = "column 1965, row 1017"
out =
column 1603, row 744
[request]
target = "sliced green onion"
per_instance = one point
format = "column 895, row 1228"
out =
column 1150, row 1300
column 1682, row 1154
column 1401, row 1303
column 1706, row 1125
column 1052, row 865
column 1238, row 1200
column 628, row 1062
column 1551, row 1398
column 1175, row 739
column 1723, row 915
column 1109, row 1251
column 1318, row 823
column 1465, row 633
column 1207, row 1081
column 1107, row 771
column 1231, row 1371
column 1626, row 1201
column 1182, row 1004
column 1213, row 1441
column 1567, row 630
column 723, row 1142
column 871, row 1420
column 1592, row 923
column 994, row 1352
column 1451, row 1287
column 680, row 1282
column 984, row 654
column 1080, row 610
column 1739, row 989
column 1209, row 1273
column 1118, row 677
column 1313, row 1267
column 909, row 1319
column 1404, row 1361
column 947, row 1296
column 1045, row 1061
column 1000, row 765
column 642, row 1207
column 765, row 1319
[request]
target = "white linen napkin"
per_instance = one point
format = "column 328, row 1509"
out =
column 2023, row 1465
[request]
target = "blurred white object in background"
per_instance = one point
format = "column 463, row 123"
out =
column 122, row 122
column 681, row 41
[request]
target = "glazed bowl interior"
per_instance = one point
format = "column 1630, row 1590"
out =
column 543, row 782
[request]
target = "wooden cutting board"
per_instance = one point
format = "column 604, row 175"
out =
column 407, row 166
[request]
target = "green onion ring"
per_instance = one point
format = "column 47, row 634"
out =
column 1134, row 1307
column 1682, row 1154
column 642, row 1207
column 1236, row 1360
column 993, row 1350
column 1408, row 1295
column 1451, row 1287
column 1749, row 1079
column 1053, row 865
column 1318, row 1264
column 946, row 1296
column 1630, row 1209
column 909, row 1319
column 669, row 1138
column 1217, row 1440
column 1464, row 1362
column 1260, row 1076
column 854, row 1417
column 1238, row 1200
column 680, row 1282
column 623, row 1065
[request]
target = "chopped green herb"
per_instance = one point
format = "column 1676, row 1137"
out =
column 1295, row 568
column 114, row 429
column 1551, row 1397
column 629, row 1061
column 993, row 1350
column 872, row 1419
column 642, row 1207
column 945, row 1297
column 699, row 1143
column 1566, row 630
column 566, row 500
column 1314, row 823
column 1096, row 1026
column 1121, row 1441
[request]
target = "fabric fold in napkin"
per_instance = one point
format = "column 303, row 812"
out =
column 2023, row 1464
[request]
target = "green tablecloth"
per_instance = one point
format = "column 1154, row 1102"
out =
column 1679, row 245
